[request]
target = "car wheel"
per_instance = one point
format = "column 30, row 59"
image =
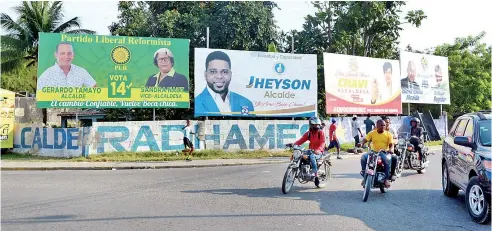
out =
column 476, row 202
column 448, row 188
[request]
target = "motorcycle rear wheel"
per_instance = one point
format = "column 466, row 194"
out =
column 288, row 181
column 327, row 170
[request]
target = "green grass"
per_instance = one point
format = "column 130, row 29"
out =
column 169, row 156
column 160, row 156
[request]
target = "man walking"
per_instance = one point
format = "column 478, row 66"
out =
column 356, row 128
column 333, row 138
column 187, row 140
column 369, row 124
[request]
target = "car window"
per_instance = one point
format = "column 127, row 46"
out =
column 484, row 132
column 453, row 128
column 469, row 129
column 460, row 130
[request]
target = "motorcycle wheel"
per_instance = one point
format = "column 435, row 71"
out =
column 327, row 170
column 367, row 188
column 399, row 168
column 289, row 178
column 422, row 170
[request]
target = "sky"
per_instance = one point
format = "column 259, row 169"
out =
column 441, row 26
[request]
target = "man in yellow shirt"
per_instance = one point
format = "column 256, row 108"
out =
column 380, row 139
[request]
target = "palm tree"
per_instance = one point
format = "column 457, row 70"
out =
column 20, row 44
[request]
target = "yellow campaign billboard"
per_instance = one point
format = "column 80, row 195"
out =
column 99, row 71
column 7, row 101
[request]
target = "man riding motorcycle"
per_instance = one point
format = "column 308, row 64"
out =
column 394, row 157
column 317, row 140
column 381, row 139
column 416, row 133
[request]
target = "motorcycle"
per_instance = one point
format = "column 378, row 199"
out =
column 300, row 168
column 374, row 175
column 408, row 157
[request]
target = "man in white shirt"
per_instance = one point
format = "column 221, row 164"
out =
column 187, row 140
column 355, row 129
column 64, row 73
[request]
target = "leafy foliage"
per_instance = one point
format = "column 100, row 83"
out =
column 20, row 79
column 369, row 29
column 20, row 45
column 469, row 73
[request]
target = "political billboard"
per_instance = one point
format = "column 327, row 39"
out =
column 99, row 71
column 7, row 103
column 251, row 83
column 361, row 85
column 424, row 78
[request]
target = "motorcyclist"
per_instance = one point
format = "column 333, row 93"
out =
column 416, row 135
column 394, row 157
column 317, row 140
column 380, row 139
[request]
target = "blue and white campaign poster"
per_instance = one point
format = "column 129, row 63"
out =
column 424, row 78
column 251, row 83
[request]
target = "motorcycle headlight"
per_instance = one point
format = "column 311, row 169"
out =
column 297, row 154
column 401, row 142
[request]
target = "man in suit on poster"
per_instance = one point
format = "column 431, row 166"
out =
column 216, row 99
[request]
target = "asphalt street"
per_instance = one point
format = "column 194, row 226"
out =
column 225, row 198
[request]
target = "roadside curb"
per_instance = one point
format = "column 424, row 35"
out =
column 137, row 167
column 169, row 165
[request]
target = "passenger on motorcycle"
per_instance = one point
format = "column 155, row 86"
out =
column 381, row 139
column 394, row 157
column 317, row 140
column 416, row 133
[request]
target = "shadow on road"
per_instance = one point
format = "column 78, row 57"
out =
column 394, row 210
column 406, row 209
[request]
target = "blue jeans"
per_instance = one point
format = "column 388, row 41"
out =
column 386, row 158
column 313, row 157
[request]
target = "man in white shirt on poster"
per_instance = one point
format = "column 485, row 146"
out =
column 64, row 73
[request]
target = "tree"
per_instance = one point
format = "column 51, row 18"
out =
column 469, row 74
column 20, row 79
column 369, row 29
column 232, row 25
column 20, row 45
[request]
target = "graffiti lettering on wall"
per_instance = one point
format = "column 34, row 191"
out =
column 168, row 136
column 60, row 142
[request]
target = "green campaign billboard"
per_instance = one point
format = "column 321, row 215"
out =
column 99, row 71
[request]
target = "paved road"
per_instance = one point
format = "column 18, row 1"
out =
column 225, row 198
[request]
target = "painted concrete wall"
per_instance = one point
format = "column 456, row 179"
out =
column 228, row 135
column 57, row 142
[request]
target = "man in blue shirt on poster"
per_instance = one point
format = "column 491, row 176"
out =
column 216, row 99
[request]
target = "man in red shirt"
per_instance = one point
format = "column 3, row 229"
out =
column 333, row 138
column 317, row 140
